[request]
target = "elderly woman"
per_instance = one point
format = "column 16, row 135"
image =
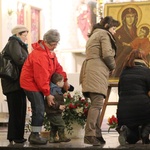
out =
column 35, row 79
column 16, row 48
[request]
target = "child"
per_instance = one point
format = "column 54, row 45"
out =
column 54, row 112
column 142, row 41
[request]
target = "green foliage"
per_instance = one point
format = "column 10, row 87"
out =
column 46, row 124
column 76, row 110
column 112, row 122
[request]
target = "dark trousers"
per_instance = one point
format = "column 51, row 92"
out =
column 17, row 113
column 38, row 109
column 56, row 122
column 133, row 135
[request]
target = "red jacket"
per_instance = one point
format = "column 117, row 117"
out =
column 38, row 69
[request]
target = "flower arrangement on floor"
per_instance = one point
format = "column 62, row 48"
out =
column 112, row 122
column 76, row 110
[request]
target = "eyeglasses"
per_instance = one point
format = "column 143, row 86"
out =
column 53, row 44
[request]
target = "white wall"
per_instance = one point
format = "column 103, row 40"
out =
column 8, row 22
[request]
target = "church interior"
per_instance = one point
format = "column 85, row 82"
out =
column 67, row 17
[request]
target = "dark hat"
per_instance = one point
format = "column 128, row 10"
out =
column 18, row 29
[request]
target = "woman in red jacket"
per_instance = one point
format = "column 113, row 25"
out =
column 35, row 77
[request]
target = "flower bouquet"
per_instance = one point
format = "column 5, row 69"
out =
column 76, row 110
column 112, row 122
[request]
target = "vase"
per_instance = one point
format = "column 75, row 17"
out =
column 78, row 131
column 45, row 134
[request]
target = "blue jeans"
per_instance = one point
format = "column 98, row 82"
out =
column 38, row 109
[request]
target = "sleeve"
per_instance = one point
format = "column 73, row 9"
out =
column 16, row 52
column 135, row 43
column 71, row 88
column 56, row 105
column 107, row 52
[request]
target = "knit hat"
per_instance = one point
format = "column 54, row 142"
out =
column 18, row 29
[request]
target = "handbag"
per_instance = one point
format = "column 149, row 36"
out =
column 8, row 69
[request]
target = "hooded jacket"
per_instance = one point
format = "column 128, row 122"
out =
column 38, row 69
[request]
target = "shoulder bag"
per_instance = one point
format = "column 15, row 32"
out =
column 8, row 69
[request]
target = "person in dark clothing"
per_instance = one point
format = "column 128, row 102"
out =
column 133, row 110
column 16, row 48
column 54, row 112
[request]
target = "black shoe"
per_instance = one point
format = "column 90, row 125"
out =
column 101, row 140
column 18, row 140
column 35, row 138
column 145, row 140
column 123, row 135
column 92, row 140
column 145, row 130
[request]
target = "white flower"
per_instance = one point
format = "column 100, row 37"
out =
column 79, row 110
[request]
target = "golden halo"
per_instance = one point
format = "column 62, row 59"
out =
column 139, row 12
column 145, row 24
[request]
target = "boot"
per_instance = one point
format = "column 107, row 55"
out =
column 53, row 137
column 123, row 135
column 92, row 140
column 62, row 136
column 35, row 138
column 101, row 140
column 145, row 134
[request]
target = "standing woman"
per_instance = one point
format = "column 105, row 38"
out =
column 16, row 48
column 35, row 78
column 99, row 63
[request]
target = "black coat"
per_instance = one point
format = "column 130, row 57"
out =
column 17, row 50
column 134, row 102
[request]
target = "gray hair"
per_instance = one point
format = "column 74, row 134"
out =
column 51, row 35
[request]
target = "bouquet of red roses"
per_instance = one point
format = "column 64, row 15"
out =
column 112, row 122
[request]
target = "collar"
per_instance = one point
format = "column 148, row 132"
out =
column 140, row 62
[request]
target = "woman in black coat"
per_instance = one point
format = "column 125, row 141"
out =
column 133, row 110
column 16, row 48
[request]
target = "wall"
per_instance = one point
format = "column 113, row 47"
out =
column 8, row 22
column 53, row 15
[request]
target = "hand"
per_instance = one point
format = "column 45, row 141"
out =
column 66, row 86
column 62, row 107
column 111, row 72
column 50, row 100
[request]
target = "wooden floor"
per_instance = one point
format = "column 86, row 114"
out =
column 78, row 144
